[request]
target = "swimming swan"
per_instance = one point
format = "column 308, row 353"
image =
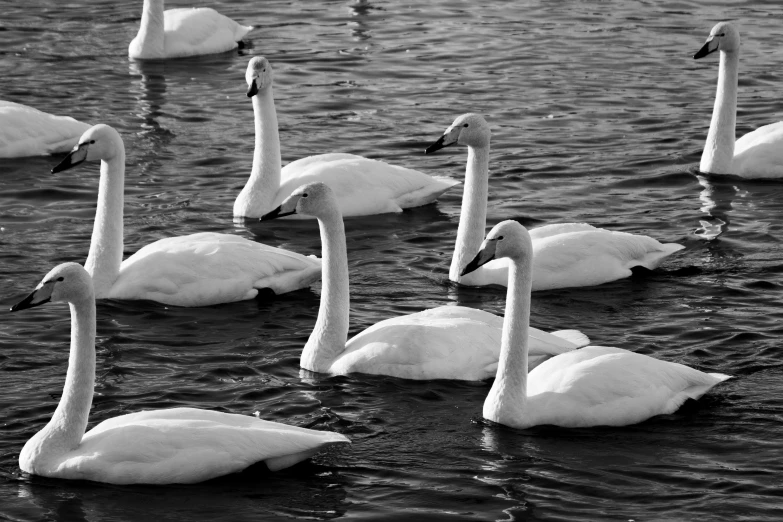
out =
column 195, row 270
column 178, row 445
column 363, row 186
column 448, row 342
column 564, row 254
column 177, row 33
column 593, row 386
column 758, row 154
column 25, row 131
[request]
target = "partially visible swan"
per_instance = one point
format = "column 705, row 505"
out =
column 565, row 254
column 183, row 32
column 448, row 342
column 25, row 131
column 195, row 270
column 363, row 186
column 758, row 154
column 593, row 386
column 178, row 445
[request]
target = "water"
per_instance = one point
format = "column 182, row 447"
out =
column 598, row 114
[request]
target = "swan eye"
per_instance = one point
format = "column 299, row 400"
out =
column 722, row 34
column 465, row 125
column 500, row 238
column 92, row 142
column 304, row 195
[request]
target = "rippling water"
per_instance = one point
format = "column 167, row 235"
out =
column 598, row 113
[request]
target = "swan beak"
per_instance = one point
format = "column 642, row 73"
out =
column 286, row 208
column 449, row 138
column 253, row 89
column 484, row 256
column 39, row 296
column 76, row 156
column 710, row 46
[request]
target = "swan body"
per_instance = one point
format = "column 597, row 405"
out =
column 448, row 342
column 363, row 186
column 25, row 131
column 178, row 445
column 195, row 270
column 758, row 154
column 177, row 33
column 593, row 386
column 564, row 255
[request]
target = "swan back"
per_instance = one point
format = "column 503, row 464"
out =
column 26, row 131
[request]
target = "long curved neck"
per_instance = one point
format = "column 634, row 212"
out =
column 105, row 257
column 151, row 38
column 327, row 341
column 718, row 152
column 66, row 428
column 473, row 216
column 507, row 399
column 259, row 192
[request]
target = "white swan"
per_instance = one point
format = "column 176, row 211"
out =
column 448, row 342
column 179, row 445
column 195, row 270
column 25, row 131
column 565, row 254
column 363, row 186
column 177, row 33
column 594, row 386
column 758, row 154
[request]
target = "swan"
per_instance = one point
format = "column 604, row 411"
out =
column 363, row 186
column 178, row 445
column 593, row 386
column 448, row 342
column 564, row 255
column 177, row 33
column 195, row 270
column 758, row 154
column 25, row 131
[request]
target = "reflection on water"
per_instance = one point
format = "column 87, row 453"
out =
column 716, row 197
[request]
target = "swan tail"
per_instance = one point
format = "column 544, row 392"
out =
column 291, row 280
column 719, row 376
column 653, row 259
column 573, row 336
column 241, row 31
column 428, row 193
column 286, row 461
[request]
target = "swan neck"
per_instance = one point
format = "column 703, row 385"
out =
column 257, row 197
column 105, row 256
column 151, row 36
column 69, row 421
column 327, row 341
column 718, row 152
column 473, row 216
column 507, row 398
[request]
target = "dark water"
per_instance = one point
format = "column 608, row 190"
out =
column 599, row 115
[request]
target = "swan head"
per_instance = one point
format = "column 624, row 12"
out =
column 67, row 282
column 259, row 75
column 469, row 129
column 506, row 239
column 314, row 199
column 723, row 37
column 99, row 142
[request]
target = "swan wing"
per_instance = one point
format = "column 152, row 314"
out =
column 25, row 131
column 363, row 186
column 759, row 154
column 592, row 257
column 202, row 30
column 448, row 342
column 185, row 445
column 209, row 268
column 600, row 385
column 559, row 228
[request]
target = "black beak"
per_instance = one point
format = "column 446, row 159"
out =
column 276, row 213
column 252, row 90
column 436, row 146
column 27, row 302
column 484, row 256
column 72, row 159
column 704, row 51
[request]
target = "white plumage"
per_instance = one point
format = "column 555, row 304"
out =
column 194, row 270
column 592, row 386
column 363, row 186
column 178, row 445
column 25, row 131
column 178, row 33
